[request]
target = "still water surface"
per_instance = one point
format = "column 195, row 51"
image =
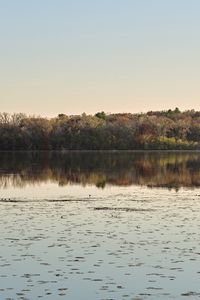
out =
column 100, row 225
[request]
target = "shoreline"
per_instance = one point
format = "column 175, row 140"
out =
column 104, row 151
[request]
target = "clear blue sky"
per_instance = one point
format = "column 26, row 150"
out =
column 60, row 56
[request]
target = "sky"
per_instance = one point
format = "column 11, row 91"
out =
column 75, row 56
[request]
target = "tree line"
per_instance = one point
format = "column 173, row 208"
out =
column 161, row 130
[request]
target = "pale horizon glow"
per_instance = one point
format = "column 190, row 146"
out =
column 87, row 56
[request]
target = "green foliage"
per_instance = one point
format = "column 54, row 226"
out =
column 162, row 130
column 101, row 115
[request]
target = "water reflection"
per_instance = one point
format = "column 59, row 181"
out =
column 152, row 169
column 119, row 243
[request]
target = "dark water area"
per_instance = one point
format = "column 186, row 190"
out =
column 99, row 225
column 100, row 169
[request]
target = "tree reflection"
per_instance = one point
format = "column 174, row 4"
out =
column 152, row 169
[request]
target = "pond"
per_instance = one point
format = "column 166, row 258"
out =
column 99, row 225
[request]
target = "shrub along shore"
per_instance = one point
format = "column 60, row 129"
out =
column 154, row 130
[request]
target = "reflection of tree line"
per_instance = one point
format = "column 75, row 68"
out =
column 171, row 170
